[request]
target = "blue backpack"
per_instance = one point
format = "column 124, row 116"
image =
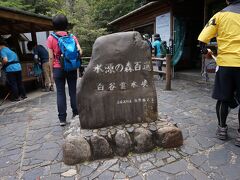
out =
column 70, row 56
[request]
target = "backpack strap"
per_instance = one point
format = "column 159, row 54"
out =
column 55, row 35
column 8, row 64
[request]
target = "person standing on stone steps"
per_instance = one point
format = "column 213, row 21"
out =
column 146, row 38
column 225, row 25
column 41, row 56
column 13, row 70
column 157, row 52
column 60, row 23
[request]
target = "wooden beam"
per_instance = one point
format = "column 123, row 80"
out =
column 24, row 18
column 145, row 17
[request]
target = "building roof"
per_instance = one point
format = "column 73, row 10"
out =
column 142, row 8
column 18, row 21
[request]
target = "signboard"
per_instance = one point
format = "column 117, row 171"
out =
column 163, row 26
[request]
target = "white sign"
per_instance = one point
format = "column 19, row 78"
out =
column 163, row 26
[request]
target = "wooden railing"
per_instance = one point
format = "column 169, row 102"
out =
column 167, row 72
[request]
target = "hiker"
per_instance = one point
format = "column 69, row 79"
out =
column 225, row 25
column 157, row 52
column 60, row 73
column 164, row 49
column 13, row 70
column 41, row 57
column 146, row 38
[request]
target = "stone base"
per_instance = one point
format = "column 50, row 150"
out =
column 85, row 144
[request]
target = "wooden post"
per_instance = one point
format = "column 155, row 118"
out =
column 168, row 72
column 34, row 37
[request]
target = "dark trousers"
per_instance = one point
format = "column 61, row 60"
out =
column 14, row 81
column 60, row 78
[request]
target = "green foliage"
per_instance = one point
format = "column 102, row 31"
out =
column 79, row 14
column 17, row 4
column 104, row 11
column 89, row 17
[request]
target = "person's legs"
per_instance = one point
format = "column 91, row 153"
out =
column 237, row 97
column 222, row 110
column 159, row 65
column 59, row 77
column 237, row 140
column 239, row 119
column 12, row 83
column 72, row 83
column 20, row 85
column 51, row 78
column 224, row 92
column 46, row 74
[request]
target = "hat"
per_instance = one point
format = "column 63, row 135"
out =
column 157, row 36
column 146, row 36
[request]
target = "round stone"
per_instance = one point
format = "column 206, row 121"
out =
column 130, row 129
column 169, row 137
column 103, row 133
column 145, row 125
column 95, row 130
column 152, row 128
column 127, row 125
column 142, row 140
column 76, row 150
column 123, row 143
column 113, row 131
column 136, row 125
column 100, row 147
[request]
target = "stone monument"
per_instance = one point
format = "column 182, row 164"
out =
column 117, row 104
column 117, row 86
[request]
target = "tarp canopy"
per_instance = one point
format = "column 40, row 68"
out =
column 179, row 39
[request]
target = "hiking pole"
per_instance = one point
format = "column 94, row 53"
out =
column 5, row 98
column 214, row 58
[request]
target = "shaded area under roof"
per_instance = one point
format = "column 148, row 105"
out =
column 14, row 21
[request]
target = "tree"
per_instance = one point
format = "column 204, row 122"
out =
column 18, row 4
column 88, row 17
column 79, row 14
column 104, row 11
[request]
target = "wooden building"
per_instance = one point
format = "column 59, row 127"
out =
column 178, row 22
column 13, row 23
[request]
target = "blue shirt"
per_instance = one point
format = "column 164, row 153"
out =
column 11, row 56
column 156, row 45
column 41, row 53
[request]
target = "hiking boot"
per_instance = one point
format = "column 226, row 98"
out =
column 74, row 115
column 222, row 133
column 45, row 89
column 23, row 97
column 51, row 88
column 237, row 140
column 15, row 100
column 63, row 123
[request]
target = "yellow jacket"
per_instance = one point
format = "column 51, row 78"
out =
column 225, row 26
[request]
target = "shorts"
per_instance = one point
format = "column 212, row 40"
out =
column 227, row 85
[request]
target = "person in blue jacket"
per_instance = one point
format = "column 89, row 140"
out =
column 157, row 51
column 13, row 70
